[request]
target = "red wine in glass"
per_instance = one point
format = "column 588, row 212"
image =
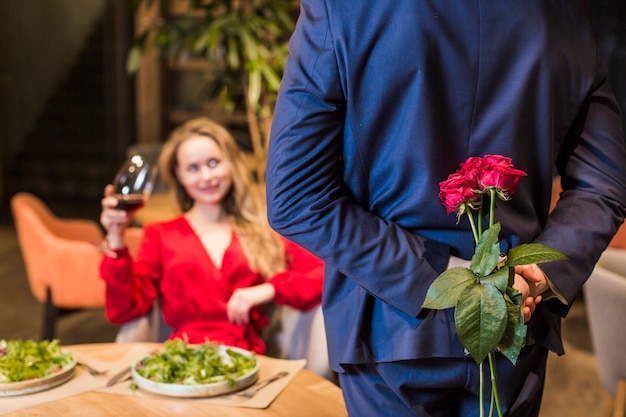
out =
column 133, row 183
column 130, row 202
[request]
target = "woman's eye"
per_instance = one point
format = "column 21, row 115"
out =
column 213, row 163
column 192, row 168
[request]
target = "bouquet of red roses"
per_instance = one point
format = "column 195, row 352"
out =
column 488, row 311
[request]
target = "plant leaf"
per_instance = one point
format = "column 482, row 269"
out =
column 532, row 253
column 270, row 75
column 514, row 295
column 499, row 279
column 232, row 53
column 254, row 87
column 485, row 258
column 515, row 334
column 445, row 291
column 134, row 60
column 480, row 319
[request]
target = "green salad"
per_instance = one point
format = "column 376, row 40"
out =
column 180, row 363
column 23, row 360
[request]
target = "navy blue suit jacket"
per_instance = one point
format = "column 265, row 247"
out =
column 382, row 100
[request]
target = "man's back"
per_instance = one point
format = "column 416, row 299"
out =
column 384, row 100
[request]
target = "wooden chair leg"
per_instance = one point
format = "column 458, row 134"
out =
column 50, row 314
column 608, row 403
column 619, row 410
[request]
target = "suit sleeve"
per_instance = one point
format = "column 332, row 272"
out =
column 307, row 200
column 591, row 207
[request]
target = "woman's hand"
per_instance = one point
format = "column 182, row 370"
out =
column 244, row 299
column 113, row 220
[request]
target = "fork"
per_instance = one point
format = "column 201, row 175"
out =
column 250, row 392
column 92, row 371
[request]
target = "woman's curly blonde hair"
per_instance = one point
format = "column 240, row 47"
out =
column 244, row 203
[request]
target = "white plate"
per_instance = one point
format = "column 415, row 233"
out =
column 198, row 390
column 31, row 386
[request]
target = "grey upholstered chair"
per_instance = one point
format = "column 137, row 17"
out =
column 605, row 300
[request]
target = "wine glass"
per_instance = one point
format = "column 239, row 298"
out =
column 133, row 183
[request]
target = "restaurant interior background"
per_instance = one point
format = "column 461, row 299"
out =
column 69, row 111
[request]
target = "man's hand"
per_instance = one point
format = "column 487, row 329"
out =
column 531, row 282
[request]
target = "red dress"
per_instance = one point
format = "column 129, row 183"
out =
column 172, row 265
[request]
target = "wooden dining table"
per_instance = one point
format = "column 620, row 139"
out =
column 306, row 395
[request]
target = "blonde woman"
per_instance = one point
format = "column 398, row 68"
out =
column 216, row 263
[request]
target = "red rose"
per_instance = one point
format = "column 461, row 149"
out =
column 473, row 166
column 457, row 190
column 500, row 173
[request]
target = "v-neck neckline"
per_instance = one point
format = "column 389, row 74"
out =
column 211, row 260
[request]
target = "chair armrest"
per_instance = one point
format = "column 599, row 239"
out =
column 70, row 268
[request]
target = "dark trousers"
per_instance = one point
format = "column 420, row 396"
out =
column 444, row 387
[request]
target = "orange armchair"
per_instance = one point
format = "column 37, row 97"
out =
column 61, row 257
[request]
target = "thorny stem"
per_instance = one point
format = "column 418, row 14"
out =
column 491, row 356
column 480, row 214
column 481, row 394
column 474, row 231
column 494, row 387
column 492, row 205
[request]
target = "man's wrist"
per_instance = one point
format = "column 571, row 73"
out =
column 549, row 290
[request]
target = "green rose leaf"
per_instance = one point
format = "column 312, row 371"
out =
column 445, row 291
column 515, row 334
column 499, row 279
column 513, row 294
column 480, row 318
column 485, row 258
column 532, row 253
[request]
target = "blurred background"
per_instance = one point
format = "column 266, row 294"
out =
column 69, row 109
column 70, row 106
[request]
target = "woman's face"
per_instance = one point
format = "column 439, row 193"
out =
column 203, row 170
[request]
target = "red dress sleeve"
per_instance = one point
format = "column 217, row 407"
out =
column 300, row 286
column 131, row 290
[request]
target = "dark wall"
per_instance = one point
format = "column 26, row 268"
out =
column 39, row 40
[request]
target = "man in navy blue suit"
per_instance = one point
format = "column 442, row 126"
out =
column 382, row 100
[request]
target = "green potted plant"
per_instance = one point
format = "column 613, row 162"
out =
column 245, row 41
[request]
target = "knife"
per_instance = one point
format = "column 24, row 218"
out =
column 251, row 392
column 117, row 377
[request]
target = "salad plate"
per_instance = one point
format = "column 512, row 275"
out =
column 56, row 366
column 189, row 371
